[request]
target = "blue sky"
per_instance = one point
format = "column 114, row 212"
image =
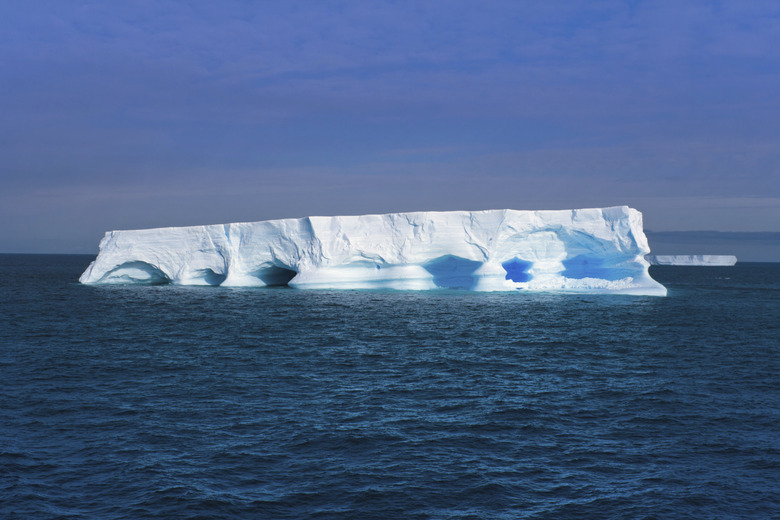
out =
column 121, row 115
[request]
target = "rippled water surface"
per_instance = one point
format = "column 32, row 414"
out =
column 207, row 402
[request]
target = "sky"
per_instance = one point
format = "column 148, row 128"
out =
column 124, row 115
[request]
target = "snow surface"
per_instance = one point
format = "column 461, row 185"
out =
column 582, row 250
column 711, row 260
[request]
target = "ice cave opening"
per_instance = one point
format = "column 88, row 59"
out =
column 209, row 277
column 275, row 275
column 517, row 270
column 453, row 272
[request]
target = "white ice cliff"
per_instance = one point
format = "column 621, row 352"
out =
column 705, row 260
column 582, row 250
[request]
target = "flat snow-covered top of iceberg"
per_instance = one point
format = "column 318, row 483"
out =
column 582, row 250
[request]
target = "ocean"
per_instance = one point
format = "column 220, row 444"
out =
column 171, row 402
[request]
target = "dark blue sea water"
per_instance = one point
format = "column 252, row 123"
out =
column 206, row 402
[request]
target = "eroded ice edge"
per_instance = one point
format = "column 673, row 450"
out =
column 584, row 250
column 703, row 260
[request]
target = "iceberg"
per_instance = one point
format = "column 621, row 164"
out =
column 599, row 250
column 706, row 260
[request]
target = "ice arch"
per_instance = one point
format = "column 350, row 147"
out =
column 135, row 272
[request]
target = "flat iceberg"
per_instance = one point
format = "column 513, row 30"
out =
column 707, row 260
column 598, row 250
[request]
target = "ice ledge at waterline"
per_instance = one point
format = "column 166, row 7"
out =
column 582, row 250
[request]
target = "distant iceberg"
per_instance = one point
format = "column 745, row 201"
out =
column 582, row 250
column 710, row 260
